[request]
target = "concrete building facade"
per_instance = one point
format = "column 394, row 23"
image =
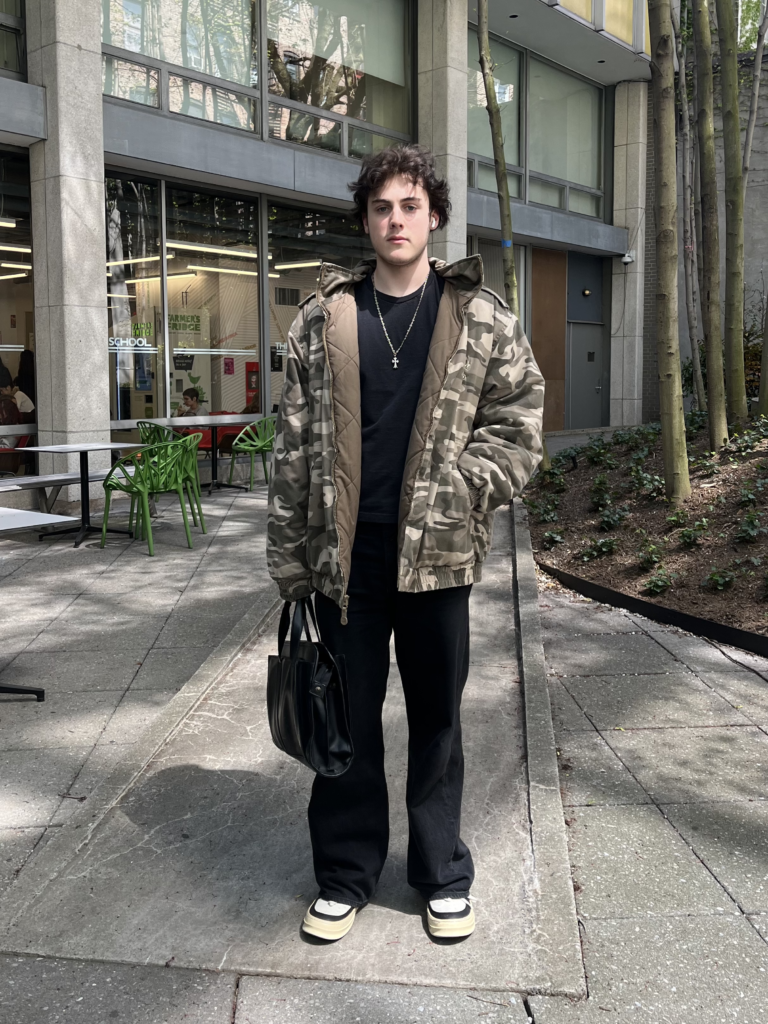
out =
column 156, row 156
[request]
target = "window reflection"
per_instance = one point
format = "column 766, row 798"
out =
column 213, row 300
column 17, row 331
column 506, row 77
column 299, row 241
column 348, row 56
column 216, row 37
column 134, row 304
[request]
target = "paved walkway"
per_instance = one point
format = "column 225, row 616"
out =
column 204, row 865
column 112, row 635
column 663, row 755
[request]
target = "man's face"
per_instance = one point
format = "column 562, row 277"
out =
column 190, row 402
column 399, row 221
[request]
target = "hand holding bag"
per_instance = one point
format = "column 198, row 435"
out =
column 307, row 699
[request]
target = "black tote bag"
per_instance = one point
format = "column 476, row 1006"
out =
column 307, row 700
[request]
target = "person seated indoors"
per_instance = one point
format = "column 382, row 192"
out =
column 24, row 403
column 191, row 404
column 9, row 417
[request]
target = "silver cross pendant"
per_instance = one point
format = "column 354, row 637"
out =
column 394, row 361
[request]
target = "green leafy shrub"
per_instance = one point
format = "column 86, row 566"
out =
column 598, row 549
column 597, row 453
column 706, row 465
column 750, row 528
column 649, row 554
column 719, row 579
column 659, row 581
column 691, row 535
column 550, row 539
column 613, row 516
column 600, row 492
column 545, row 509
column 695, row 421
column 649, row 485
column 678, row 518
column 749, row 492
column 553, row 480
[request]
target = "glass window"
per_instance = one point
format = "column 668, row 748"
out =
column 134, row 299
column 361, row 142
column 10, row 50
column 198, row 99
column 565, row 130
column 217, row 37
column 583, row 202
column 486, row 179
column 17, row 329
column 293, row 125
column 213, row 299
column 129, row 81
column 581, row 7
column 619, row 19
column 299, row 241
column 506, row 77
column 348, row 56
column 546, row 193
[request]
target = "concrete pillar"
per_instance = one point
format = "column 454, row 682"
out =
column 442, row 87
column 67, row 200
column 629, row 199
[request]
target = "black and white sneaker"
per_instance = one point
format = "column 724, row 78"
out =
column 329, row 920
column 450, row 918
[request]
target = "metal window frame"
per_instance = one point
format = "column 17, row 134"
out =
column 18, row 27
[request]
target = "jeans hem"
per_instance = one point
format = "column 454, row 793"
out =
column 346, row 900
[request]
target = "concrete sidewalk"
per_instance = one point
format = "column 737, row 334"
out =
column 112, row 635
column 663, row 755
column 203, row 864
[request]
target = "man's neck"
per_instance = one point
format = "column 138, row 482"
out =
column 398, row 281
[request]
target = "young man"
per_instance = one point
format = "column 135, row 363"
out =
column 411, row 410
column 190, row 404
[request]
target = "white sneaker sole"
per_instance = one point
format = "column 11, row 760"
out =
column 452, row 928
column 328, row 930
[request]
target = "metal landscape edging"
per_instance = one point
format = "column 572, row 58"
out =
column 557, row 919
column 756, row 643
column 67, row 840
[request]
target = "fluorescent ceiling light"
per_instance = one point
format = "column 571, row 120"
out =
column 7, row 277
column 223, row 270
column 136, row 259
column 16, row 248
column 249, row 254
column 215, row 351
column 119, row 295
column 7, row 222
column 148, row 280
column 292, row 266
column 17, row 266
column 11, row 348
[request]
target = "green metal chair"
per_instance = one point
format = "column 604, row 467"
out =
column 155, row 433
column 192, row 478
column 256, row 439
column 156, row 469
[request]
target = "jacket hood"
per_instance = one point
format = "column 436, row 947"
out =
column 466, row 275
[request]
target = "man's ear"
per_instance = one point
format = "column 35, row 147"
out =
column 433, row 221
column 365, row 225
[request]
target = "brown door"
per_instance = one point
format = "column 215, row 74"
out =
column 548, row 329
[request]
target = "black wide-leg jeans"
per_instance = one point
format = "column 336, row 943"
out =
column 349, row 815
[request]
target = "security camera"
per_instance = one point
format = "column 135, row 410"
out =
column 628, row 257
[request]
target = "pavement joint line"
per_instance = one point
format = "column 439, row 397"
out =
column 72, row 835
column 557, row 903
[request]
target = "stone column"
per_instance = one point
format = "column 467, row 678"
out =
column 442, row 88
column 67, row 201
column 629, row 172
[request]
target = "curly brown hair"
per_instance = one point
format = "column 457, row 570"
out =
column 412, row 161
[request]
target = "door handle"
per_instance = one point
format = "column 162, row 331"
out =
column 598, row 389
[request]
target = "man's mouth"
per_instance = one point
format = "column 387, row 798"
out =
column 397, row 238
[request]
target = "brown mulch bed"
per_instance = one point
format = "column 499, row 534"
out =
column 727, row 492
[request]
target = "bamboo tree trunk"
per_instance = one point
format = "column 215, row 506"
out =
column 710, row 234
column 762, row 402
column 697, row 187
column 756, row 75
column 735, row 385
column 678, row 485
column 497, row 135
column 688, row 249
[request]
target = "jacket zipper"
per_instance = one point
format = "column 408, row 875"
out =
column 344, row 595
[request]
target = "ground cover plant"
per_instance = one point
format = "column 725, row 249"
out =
column 707, row 556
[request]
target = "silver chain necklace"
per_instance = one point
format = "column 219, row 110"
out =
column 395, row 360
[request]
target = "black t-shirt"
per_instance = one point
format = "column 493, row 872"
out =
column 389, row 395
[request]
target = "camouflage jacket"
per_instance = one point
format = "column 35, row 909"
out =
column 476, row 438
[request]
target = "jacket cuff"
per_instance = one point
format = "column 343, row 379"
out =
column 295, row 589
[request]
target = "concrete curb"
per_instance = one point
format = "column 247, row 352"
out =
column 558, row 924
column 65, row 842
